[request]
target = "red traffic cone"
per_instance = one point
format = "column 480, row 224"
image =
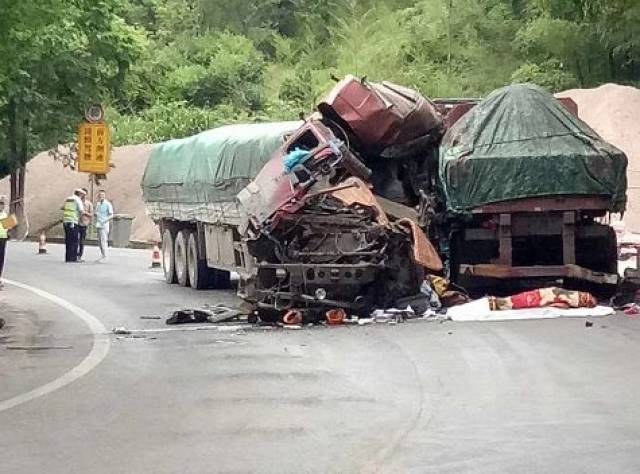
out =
column 156, row 261
column 42, row 244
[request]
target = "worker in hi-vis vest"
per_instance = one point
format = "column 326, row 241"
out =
column 4, row 236
column 72, row 211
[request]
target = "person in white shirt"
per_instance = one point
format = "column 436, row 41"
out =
column 83, row 224
column 72, row 210
column 103, row 211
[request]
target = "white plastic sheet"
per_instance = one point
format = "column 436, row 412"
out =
column 479, row 310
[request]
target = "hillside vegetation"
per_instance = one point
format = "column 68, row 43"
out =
column 170, row 68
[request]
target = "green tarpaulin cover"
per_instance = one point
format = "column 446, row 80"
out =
column 212, row 166
column 520, row 142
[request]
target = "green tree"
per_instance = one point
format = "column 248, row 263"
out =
column 58, row 57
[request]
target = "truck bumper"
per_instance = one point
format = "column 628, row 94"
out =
column 505, row 272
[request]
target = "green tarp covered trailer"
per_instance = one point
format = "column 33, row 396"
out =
column 520, row 142
column 197, row 178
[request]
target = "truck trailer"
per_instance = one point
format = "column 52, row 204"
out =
column 190, row 187
column 522, row 185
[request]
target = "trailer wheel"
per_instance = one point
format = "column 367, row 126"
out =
column 180, row 257
column 168, row 262
column 198, row 270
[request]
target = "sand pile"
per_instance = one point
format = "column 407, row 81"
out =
column 614, row 112
column 48, row 184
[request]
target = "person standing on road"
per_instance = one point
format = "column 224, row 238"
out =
column 72, row 210
column 4, row 236
column 83, row 224
column 104, row 214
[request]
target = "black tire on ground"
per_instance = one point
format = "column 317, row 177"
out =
column 199, row 277
column 168, row 262
column 180, row 257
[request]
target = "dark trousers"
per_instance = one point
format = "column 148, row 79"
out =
column 71, row 242
column 82, row 234
column 3, row 248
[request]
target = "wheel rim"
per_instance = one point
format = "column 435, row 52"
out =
column 192, row 262
column 167, row 255
column 180, row 256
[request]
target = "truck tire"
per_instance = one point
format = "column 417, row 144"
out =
column 168, row 262
column 180, row 257
column 198, row 270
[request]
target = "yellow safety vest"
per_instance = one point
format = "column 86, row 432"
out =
column 3, row 231
column 70, row 211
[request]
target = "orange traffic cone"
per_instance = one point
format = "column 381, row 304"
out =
column 156, row 261
column 42, row 244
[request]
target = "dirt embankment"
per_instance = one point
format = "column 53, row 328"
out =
column 613, row 111
column 48, row 184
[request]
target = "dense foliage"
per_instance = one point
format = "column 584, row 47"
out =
column 169, row 68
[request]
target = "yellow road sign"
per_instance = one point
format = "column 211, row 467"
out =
column 94, row 148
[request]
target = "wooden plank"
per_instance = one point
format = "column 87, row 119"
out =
column 569, row 238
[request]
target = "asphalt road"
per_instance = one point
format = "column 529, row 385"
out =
column 526, row 396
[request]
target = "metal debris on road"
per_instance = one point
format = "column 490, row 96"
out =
column 120, row 330
column 214, row 314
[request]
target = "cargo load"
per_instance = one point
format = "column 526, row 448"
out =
column 192, row 178
column 520, row 142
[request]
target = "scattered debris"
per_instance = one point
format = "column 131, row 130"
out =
column 393, row 315
column 215, row 314
column 632, row 309
column 292, row 317
column 336, row 316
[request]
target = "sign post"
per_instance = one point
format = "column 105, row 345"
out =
column 94, row 143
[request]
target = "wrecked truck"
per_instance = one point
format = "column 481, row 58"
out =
column 522, row 184
column 308, row 234
column 511, row 188
column 322, row 240
column 340, row 211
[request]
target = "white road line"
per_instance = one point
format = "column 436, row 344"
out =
column 200, row 328
column 99, row 351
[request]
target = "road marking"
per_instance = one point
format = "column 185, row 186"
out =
column 236, row 327
column 99, row 351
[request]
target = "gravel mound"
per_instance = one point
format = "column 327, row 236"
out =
column 613, row 111
column 48, row 184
